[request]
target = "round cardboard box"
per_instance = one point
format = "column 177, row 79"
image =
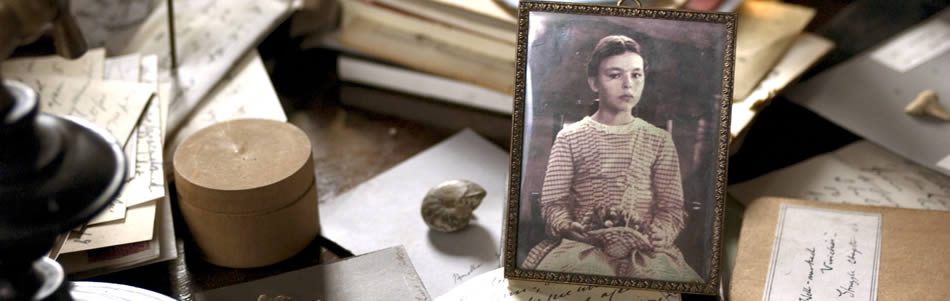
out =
column 247, row 191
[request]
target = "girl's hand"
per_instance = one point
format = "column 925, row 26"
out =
column 659, row 238
column 576, row 232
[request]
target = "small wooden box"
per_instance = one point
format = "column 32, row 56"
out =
column 247, row 191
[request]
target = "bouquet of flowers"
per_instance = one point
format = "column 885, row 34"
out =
column 616, row 231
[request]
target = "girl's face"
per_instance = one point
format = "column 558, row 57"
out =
column 619, row 82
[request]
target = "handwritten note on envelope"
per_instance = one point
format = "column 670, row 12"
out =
column 90, row 65
column 823, row 254
column 861, row 173
column 492, row 286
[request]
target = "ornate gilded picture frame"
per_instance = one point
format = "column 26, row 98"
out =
column 619, row 146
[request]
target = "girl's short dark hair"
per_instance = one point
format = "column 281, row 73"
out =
column 611, row 46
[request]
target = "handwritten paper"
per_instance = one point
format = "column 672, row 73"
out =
column 492, row 286
column 861, row 173
column 146, row 182
column 126, row 68
column 443, row 260
column 211, row 36
column 245, row 92
column 916, row 46
column 115, row 211
column 90, row 65
column 99, row 261
column 805, row 52
column 823, row 254
column 113, row 105
column 138, row 225
column 149, row 178
column 764, row 32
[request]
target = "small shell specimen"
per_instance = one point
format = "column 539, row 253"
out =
column 448, row 207
column 927, row 103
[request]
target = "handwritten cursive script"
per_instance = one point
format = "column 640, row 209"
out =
column 849, row 289
column 471, row 269
column 829, row 264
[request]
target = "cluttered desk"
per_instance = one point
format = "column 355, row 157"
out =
column 406, row 150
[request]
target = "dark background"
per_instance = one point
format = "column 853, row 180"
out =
column 682, row 93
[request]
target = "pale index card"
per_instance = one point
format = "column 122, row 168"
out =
column 115, row 106
column 917, row 46
column 90, row 65
column 492, row 286
column 823, row 254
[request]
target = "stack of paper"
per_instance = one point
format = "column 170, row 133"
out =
column 120, row 95
column 137, row 99
column 144, row 103
column 211, row 37
column 771, row 52
column 470, row 41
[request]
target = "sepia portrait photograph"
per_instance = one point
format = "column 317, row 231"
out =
column 619, row 146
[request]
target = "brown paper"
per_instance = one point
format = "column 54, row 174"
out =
column 246, row 190
column 915, row 247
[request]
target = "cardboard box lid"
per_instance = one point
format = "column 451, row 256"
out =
column 244, row 166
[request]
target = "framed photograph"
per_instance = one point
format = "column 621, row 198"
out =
column 619, row 146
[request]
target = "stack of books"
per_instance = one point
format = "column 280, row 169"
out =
column 432, row 61
column 445, row 63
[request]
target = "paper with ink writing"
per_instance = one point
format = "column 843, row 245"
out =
column 88, row 66
column 211, row 36
column 823, row 254
column 113, row 105
column 861, row 173
column 245, row 92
